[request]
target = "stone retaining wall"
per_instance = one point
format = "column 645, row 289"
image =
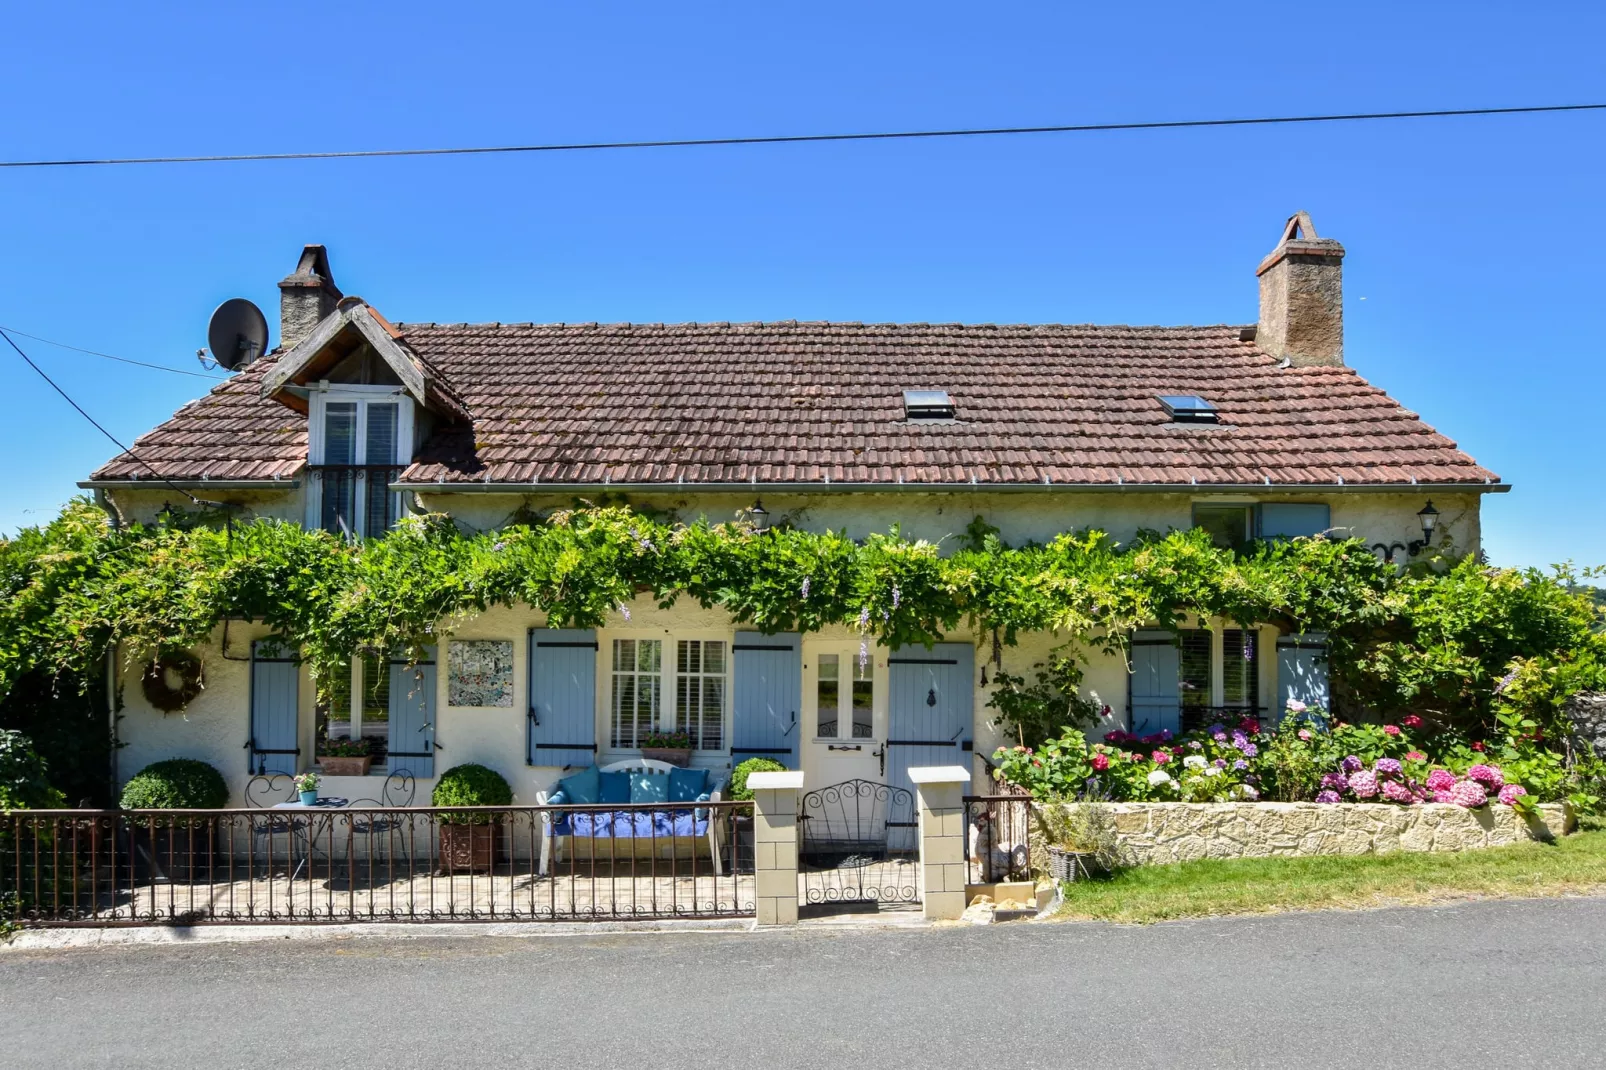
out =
column 1159, row 833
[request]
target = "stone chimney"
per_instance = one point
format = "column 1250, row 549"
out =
column 1302, row 297
column 306, row 296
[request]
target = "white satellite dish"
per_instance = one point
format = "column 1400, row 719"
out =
column 237, row 334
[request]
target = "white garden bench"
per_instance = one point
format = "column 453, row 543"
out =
column 678, row 814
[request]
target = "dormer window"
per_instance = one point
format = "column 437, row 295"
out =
column 927, row 405
column 361, row 438
column 1188, row 409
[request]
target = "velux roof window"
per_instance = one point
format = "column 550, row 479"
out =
column 927, row 405
column 1188, row 409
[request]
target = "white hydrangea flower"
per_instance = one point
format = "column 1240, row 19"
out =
column 1158, row 777
column 1194, row 761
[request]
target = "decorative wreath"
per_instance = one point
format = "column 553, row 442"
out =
column 160, row 674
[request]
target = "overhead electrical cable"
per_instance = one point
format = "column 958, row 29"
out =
column 68, row 398
column 109, row 356
column 795, row 139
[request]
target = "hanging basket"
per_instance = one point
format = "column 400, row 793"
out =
column 171, row 681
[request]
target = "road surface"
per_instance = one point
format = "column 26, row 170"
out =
column 1494, row 985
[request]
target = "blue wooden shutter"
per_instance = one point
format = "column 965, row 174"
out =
column 930, row 720
column 1302, row 671
column 275, row 693
column 767, row 693
column 412, row 715
column 1287, row 520
column 1156, row 672
column 563, row 697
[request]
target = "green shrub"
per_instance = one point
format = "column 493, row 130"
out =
column 23, row 781
column 470, row 785
column 739, row 775
column 176, row 784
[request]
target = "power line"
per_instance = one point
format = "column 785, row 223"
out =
column 68, row 398
column 794, row 139
column 109, row 356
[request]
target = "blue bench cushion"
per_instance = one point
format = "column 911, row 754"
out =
column 649, row 788
column 615, row 788
column 635, row 824
column 686, row 785
column 582, row 789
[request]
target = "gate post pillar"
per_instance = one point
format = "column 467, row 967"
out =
column 775, row 845
column 941, row 793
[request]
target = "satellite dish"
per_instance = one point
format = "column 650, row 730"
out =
column 238, row 333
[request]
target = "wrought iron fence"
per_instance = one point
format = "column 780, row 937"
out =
column 353, row 864
column 998, row 837
column 858, row 845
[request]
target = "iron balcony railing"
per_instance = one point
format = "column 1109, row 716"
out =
column 349, row 864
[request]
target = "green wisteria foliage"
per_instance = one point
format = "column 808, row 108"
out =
column 1436, row 640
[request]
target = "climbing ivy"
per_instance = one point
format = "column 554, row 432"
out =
column 1438, row 638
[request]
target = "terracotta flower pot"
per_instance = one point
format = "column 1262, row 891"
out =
column 680, row 756
column 348, row 766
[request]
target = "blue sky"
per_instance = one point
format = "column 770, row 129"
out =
column 1473, row 280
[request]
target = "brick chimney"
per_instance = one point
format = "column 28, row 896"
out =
column 1302, row 297
column 306, row 296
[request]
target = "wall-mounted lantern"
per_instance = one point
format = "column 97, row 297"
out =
column 761, row 517
column 1429, row 517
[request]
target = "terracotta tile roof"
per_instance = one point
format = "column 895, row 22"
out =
column 807, row 402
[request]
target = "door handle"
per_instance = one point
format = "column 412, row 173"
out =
column 845, row 746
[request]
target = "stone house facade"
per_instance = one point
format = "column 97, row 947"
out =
column 352, row 421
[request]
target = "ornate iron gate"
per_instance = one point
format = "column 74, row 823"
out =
column 857, row 845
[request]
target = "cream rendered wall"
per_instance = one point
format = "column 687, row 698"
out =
column 142, row 504
column 1022, row 516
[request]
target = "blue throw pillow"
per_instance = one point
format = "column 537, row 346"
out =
column 582, row 789
column 685, row 785
column 649, row 788
column 615, row 788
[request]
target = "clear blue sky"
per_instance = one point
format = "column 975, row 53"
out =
column 1474, row 278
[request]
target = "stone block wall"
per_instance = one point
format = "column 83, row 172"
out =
column 1161, row 833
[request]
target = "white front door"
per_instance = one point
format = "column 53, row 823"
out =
column 844, row 715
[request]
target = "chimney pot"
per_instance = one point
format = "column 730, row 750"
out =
column 306, row 296
column 1302, row 297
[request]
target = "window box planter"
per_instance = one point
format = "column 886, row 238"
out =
column 347, row 766
column 680, row 756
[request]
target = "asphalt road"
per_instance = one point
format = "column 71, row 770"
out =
column 1492, row 985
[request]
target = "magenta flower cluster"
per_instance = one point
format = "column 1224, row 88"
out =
column 1386, row 781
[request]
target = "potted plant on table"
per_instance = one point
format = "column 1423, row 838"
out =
column 344, row 757
column 672, row 747
column 307, row 788
column 742, row 820
column 469, row 838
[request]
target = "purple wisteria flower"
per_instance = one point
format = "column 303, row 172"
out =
column 1327, row 796
column 1388, row 767
column 803, row 592
column 1352, row 764
column 897, row 596
column 864, row 618
column 499, row 545
column 624, row 611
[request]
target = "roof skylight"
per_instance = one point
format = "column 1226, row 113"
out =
column 927, row 405
column 1188, row 408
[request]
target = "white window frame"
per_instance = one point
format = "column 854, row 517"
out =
column 361, row 395
column 669, row 685
column 355, row 696
column 847, row 655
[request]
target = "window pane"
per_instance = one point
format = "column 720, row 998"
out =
column 376, row 706
column 700, row 692
column 1228, row 525
column 337, row 513
column 1194, row 677
column 340, row 432
column 827, row 697
column 1240, row 665
column 381, row 437
column 334, row 705
column 635, row 690
column 379, row 506
column 863, row 699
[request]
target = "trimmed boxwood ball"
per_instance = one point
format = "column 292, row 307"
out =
column 470, row 785
column 176, row 784
column 739, row 791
